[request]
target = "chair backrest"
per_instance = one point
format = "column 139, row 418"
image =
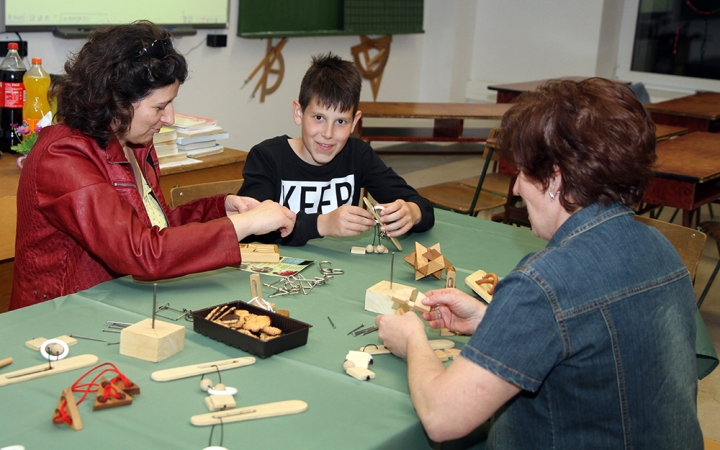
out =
column 688, row 242
column 182, row 194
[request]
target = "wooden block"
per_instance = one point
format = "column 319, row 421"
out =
column 378, row 298
column 71, row 409
column 254, row 253
column 141, row 341
column 418, row 305
column 35, row 344
column 110, row 401
column 359, row 359
column 452, row 352
column 220, row 402
column 357, row 250
column 360, row 373
column 480, row 289
column 442, row 356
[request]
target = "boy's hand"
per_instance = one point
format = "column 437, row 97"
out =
column 345, row 221
column 398, row 217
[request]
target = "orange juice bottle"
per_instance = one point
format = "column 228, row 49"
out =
column 37, row 83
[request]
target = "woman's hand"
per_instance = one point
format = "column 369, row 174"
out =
column 237, row 205
column 453, row 309
column 396, row 331
column 262, row 218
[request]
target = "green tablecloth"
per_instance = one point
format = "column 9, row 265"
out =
column 342, row 413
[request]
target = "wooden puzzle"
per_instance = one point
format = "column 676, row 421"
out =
column 427, row 261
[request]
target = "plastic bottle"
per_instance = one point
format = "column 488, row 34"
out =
column 37, row 83
column 12, row 71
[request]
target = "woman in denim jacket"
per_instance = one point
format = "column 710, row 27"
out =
column 588, row 343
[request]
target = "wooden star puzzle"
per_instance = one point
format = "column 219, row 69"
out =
column 427, row 261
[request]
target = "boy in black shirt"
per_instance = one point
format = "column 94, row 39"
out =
column 319, row 175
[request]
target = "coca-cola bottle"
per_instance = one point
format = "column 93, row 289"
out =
column 12, row 90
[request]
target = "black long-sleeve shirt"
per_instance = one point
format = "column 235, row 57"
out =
column 273, row 171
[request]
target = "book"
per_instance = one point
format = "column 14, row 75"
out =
column 189, row 122
column 200, row 152
column 197, row 145
column 172, row 158
column 165, row 134
column 165, row 148
column 199, row 132
column 191, row 140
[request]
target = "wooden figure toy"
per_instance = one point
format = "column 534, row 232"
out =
column 374, row 212
column 410, row 299
column 356, row 365
column 427, row 261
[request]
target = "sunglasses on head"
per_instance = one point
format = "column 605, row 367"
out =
column 158, row 48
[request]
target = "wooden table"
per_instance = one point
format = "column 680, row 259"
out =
column 506, row 93
column 699, row 112
column 687, row 174
column 223, row 166
column 448, row 126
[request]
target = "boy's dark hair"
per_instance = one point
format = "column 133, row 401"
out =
column 333, row 82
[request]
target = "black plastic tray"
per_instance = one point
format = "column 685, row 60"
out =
column 294, row 332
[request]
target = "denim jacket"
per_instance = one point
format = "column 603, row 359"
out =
column 598, row 331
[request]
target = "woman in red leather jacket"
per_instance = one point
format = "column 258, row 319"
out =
column 90, row 207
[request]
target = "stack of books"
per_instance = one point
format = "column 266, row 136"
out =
column 198, row 136
column 166, row 147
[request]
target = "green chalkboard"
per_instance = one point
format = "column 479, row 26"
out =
column 288, row 18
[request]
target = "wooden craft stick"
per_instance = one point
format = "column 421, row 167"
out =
column 256, row 287
column 250, row 413
column 34, row 344
column 435, row 344
column 201, row 369
column 5, row 362
column 64, row 365
column 371, row 207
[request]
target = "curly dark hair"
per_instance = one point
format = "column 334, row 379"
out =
column 110, row 73
column 595, row 131
column 333, row 82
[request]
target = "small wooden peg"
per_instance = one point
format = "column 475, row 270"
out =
column 5, row 362
column 256, row 287
column 110, row 402
column 68, row 398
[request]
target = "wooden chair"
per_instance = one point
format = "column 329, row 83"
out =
column 494, row 182
column 712, row 229
column 180, row 195
column 461, row 198
column 688, row 242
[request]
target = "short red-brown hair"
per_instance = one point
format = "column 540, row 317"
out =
column 595, row 131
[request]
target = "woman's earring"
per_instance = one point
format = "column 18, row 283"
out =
column 552, row 196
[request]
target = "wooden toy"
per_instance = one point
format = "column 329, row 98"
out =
column 143, row 341
column 360, row 373
column 201, row 369
column 427, row 261
column 220, row 402
column 150, row 340
column 109, row 396
column 256, row 253
column 44, row 370
column 435, row 344
column 483, row 289
column 450, row 277
column 409, row 299
column 374, row 212
column 34, row 344
column 250, row 413
column 68, row 399
column 379, row 297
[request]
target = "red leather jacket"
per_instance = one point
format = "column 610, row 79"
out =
column 81, row 221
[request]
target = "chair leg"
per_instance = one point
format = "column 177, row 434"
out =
column 710, row 281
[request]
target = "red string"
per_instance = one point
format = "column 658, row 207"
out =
column 110, row 390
